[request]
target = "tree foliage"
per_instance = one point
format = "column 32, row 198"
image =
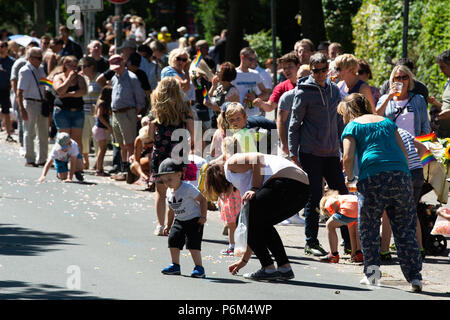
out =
column 378, row 31
column 261, row 42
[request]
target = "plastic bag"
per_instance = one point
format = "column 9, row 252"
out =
column 241, row 232
column 441, row 227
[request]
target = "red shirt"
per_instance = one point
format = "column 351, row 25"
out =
column 281, row 88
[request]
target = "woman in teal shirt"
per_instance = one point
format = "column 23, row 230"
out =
column 384, row 181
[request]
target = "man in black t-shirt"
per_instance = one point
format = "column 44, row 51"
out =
column 6, row 63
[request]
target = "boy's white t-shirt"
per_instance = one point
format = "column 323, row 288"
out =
column 58, row 154
column 244, row 82
column 182, row 202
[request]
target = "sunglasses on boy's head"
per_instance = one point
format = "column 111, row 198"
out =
column 323, row 70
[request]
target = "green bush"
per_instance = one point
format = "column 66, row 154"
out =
column 378, row 32
column 261, row 42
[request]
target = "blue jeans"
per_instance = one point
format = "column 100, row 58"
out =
column 392, row 191
column 317, row 169
column 66, row 119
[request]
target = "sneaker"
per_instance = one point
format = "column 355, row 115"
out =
column 367, row 282
column 22, row 152
column 330, row 258
column 10, row 139
column 286, row 275
column 172, row 269
column 227, row 252
column 121, row 176
column 263, row 275
column 416, row 285
column 357, row 258
column 199, row 272
column 315, row 249
column 385, row 256
column 79, row 176
column 101, row 173
column 159, row 231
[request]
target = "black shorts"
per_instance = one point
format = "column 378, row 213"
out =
column 5, row 102
column 186, row 232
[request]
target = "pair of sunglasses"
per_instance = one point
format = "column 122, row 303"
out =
column 323, row 70
column 182, row 59
column 401, row 78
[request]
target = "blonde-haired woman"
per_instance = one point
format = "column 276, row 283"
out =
column 70, row 87
column 170, row 113
column 384, row 181
column 178, row 67
column 407, row 109
column 349, row 81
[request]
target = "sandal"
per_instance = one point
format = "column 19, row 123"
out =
column 101, row 173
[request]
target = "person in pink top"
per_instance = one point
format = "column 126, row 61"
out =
column 290, row 64
column 341, row 210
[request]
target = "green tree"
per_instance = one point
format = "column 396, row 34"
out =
column 378, row 30
column 261, row 42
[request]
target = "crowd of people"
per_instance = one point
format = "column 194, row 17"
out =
column 156, row 96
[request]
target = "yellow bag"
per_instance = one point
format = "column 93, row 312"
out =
column 201, row 182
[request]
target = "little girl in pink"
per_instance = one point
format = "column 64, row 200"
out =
column 230, row 206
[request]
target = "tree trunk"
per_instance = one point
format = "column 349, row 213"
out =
column 235, row 31
column 313, row 26
column 39, row 17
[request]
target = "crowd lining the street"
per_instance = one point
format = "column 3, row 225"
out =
column 344, row 149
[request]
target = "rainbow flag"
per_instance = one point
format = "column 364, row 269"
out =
column 205, row 93
column 427, row 138
column 427, row 158
column 198, row 58
column 46, row 82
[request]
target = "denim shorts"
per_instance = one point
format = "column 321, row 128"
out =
column 61, row 166
column 66, row 119
column 343, row 219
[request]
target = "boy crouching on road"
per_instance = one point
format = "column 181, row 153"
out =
column 186, row 217
column 64, row 150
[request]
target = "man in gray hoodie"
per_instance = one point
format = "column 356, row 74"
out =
column 314, row 141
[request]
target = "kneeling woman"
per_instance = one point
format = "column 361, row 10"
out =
column 276, row 189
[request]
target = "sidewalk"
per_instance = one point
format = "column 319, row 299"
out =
column 435, row 270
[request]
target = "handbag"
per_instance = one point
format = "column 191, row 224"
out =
column 241, row 232
column 45, row 106
column 202, row 112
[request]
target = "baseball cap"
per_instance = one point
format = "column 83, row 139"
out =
column 168, row 166
column 115, row 62
column 128, row 44
column 164, row 29
column 182, row 29
column 63, row 139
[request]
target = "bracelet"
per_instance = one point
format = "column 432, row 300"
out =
column 350, row 180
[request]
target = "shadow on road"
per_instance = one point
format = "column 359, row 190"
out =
column 18, row 241
column 24, row 290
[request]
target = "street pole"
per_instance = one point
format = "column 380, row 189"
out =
column 118, row 26
column 57, row 18
column 274, row 39
column 405, row 28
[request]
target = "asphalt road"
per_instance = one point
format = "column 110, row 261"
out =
column 95, row 241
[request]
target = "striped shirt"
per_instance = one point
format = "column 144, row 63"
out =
column 413, row 156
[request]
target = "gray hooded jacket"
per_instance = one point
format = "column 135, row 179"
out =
column 315, row 125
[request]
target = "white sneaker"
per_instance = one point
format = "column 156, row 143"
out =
column 22, row 152
column 416, row 285
column 159, row 230
column 296, row 219
column 367, row 282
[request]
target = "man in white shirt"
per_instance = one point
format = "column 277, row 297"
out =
column 30, row 96
column 248, row 82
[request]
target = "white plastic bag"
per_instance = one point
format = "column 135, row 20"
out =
column 241, row 232
column 441, row 227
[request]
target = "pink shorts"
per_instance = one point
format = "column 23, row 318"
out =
column 99, row 133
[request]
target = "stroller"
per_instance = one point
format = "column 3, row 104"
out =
column 434, row 245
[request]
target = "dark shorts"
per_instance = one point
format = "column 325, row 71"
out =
column 5, row 102
column 61, row 166
column 186, row 232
